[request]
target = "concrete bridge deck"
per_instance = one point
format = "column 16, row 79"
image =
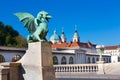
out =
column 82, row 76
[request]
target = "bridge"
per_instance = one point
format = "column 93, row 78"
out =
column 101, row 71
column 86, row 76
column 34, row 66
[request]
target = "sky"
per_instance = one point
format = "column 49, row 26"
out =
column 97, row 21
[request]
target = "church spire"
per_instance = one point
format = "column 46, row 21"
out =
column 76, row 35
column 75, row 27
column 63, row 38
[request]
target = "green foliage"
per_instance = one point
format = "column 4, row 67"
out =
column 8, row 40
column 2, row 35
column 10, row 37
column 21, row 42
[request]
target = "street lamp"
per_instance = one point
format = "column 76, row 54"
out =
column 100, row 50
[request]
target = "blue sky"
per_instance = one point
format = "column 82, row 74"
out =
column 97, row 20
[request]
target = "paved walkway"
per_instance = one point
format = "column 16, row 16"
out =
column 79, row 76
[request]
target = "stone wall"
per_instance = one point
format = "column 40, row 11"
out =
column 9, row 71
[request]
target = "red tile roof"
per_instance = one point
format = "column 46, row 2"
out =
column 110, row 47
column 75, row 44
column 60, row 45
column 72, row 44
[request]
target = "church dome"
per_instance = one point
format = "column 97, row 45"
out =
column 55, row 38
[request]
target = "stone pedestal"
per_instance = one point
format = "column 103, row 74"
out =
column 9, row 71
column 100, row 67
column 4, row 72
column 37, row 62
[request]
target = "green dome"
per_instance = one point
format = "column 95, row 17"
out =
column 55, row 36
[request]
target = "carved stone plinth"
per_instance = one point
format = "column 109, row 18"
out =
column 37, row 62
column 100, row 67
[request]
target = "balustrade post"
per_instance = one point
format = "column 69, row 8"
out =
column 59, row 68
column 63, row 68
column 86, row 68
column 94, row 68
column 81, row 68
column 76, row 68
column 66, row 69
column 69, row 69
column 90, row 68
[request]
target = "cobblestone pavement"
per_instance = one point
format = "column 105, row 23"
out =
column 79, row 76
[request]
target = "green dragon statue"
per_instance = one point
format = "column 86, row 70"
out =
column 37, row 27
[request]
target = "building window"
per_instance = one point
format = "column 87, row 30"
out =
column 104, row 60
column 97, row 59
column 88, row 60
column 16, row 58
column 2, row 59
column 71, row 60
column 55, row 60
column 109, row 59
column 93, row 60
column 118, row 59
column 63, row 61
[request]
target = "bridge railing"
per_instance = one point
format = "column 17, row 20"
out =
column 89, row 68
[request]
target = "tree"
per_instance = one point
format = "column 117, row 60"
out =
column 1, row 26
column 11, row 31
column 21, row 41
column 10, row 37
column 2, row 35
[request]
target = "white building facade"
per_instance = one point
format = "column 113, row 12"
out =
column 75, row 52
column 114, row 52
column 11, row 54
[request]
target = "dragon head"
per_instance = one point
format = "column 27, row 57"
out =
column 43, row 16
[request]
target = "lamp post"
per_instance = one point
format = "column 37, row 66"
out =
column 100, row 50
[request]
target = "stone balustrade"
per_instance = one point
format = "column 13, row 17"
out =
column 86, row 68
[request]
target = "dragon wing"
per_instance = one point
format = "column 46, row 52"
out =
column 28, row 20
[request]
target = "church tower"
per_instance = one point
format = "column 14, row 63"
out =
column 76, row 37
column 63, row 38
